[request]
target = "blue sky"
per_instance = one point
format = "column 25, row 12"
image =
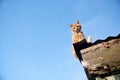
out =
column 35, row 38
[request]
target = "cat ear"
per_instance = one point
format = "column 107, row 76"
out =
column 77, row 22
column 70, row 25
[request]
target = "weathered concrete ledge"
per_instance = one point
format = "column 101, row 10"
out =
column 102, row 58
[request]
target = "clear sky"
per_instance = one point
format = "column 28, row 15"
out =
column 35, row 37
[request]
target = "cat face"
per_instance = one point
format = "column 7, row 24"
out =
column 75, row 27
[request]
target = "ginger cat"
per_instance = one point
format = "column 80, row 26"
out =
column 77, row 36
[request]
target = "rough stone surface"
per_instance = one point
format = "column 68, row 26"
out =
column 103, row 58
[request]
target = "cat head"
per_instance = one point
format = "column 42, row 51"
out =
column 75, row 27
